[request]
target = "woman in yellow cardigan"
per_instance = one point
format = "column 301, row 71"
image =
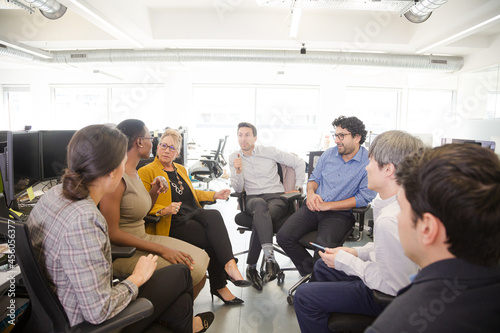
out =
column 184, row 218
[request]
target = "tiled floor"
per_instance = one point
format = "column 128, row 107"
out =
column 263, row 311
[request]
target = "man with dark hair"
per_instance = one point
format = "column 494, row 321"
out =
column 337, row 184
column 344, row 277
column 449, row 225
column 255, row 170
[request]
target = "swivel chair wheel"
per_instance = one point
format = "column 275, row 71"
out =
column 281, row 278
column 289, row 299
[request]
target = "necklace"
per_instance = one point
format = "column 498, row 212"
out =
column 179, row 188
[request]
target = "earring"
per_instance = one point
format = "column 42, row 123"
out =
column 141, row 146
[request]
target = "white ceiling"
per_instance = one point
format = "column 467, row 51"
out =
column 453, row 29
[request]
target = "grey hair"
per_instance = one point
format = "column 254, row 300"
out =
column 175, row 135
column 393, row 146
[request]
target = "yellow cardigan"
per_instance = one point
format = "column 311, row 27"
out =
column 154, row 169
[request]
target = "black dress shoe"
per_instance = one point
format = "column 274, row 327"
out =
column 234, row 301
column 206, row 320
column 254, row 276
column 272, row 270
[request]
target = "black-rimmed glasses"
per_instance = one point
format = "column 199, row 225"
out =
column 340, row 135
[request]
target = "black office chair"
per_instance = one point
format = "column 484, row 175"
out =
column 356, row 323
column 46, row 313
column 208, row 169
column 245, row 222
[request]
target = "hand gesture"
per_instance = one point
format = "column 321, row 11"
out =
column 172, row 209
column 314, row 202
column 161, row 183
column 222, row 194
column 238, row 165
column 177, row 257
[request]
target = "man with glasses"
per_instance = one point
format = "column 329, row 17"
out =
column 337, row 184
column 255, row 170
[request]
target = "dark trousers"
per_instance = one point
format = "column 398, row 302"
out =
column 332, row 227
column 207, row 230
column 332, row 291
column 170, row 289
column 266, row 209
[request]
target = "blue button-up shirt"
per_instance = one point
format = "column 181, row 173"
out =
column 339, row 180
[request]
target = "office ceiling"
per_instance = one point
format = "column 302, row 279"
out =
column 457, row 28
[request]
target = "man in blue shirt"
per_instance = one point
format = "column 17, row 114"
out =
column 337, row 184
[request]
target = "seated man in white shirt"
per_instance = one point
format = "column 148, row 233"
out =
column 344, row 277
column 254, row 170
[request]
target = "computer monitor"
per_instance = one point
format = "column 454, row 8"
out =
column 487, row 144
column 20, row 163
column 53, row 145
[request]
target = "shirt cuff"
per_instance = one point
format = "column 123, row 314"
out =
column 343, row 259
column 132, row 287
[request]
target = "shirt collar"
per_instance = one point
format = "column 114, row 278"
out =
column 253, row 152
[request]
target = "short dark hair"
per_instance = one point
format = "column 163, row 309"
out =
column 353, row 125
column 460, row 185
column 93, row 152
column 244, row 124
column 133, row 129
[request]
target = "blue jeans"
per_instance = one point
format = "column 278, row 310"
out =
column 331, row 291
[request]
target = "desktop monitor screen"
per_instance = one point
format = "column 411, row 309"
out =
column 53, row 148
column 22, row 163
column 487, row 144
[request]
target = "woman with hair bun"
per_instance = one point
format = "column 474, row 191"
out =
column 70, row 240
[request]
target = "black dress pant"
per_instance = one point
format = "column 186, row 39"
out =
column 207, row 230
column 265, row 209
column 170, row 289
column 332, row 227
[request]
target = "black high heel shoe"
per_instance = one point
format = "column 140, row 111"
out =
column 238, row 283
column 206, row 320
column 234, row 301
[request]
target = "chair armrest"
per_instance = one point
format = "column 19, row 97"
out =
column 135, row 311
column 152, row 219
column 122, row 252
column 292, row 196
column 240, row 196
column 361, row 210
column 381, row 297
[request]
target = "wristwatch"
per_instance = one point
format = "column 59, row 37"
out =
column 298, row 188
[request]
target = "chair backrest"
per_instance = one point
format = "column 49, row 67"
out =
column 313, row 160
column 47, row 314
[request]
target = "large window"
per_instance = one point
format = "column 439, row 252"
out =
column 377, row 108
column 266, row 106
column 493, row 105
column 17, row 108
column 429, row 113
column 76, row 107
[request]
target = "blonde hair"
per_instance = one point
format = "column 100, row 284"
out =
column 175, row 135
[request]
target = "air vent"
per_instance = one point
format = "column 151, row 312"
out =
column 78, row 55
column 439, row 61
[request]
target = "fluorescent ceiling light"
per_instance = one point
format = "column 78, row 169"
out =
column 25, row 48
column 295, row 22
column 460, row 34
column 109, row 27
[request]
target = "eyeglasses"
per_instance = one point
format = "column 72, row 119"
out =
column 147, row 138
column 340, row 135
column 165, row 146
